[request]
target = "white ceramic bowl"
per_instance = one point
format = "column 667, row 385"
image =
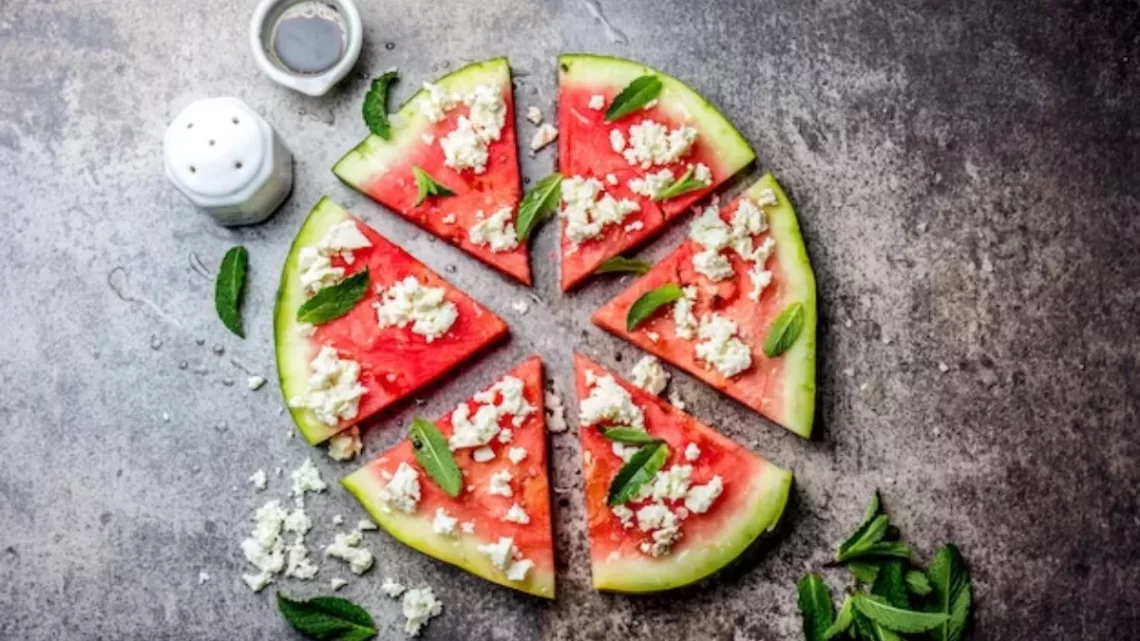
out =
column 260, row 31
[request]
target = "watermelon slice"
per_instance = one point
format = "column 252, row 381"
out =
column 480, row 530
column 711, row 499
column 781, row 388
column 382, row 169
column 369, row 367
column 587, row 84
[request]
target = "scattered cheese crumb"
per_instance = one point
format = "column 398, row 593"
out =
column 545, row 135
column 337, row 584
column 333, row 390
column 500, row 484
column 443, row 523
column 652, row 143
column 675, row 399
column 419, row 606
column 516, row 514
column 425, row 308
column 587, row 209
column 692, row 452
column 534, row 115
column 720, row 346
column 649, row 375
column 403, row 490
column 483, row 454
column 345, row 445
column 448, row 219
column 516, row 455
column 259, row 480
column 496, row 231
column 392, row 588
column 700, row 497
column 306, row 478
column 468, row 527
column 521, row 307
column 346, row 548
column 365, row 525
column 609, row 401
column 555, row 413
column 255, row 382
column 203, row 577
column 597, row 102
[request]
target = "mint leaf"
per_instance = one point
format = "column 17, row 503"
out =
column 620, row 264
column 427, row 186
column 816, row 608
column 951, row 595
column 629, row 436
column 890, row 585
column 334, row 301
column 864, row 571
column 639, row 470
column 683, row 185
column 894, row 618
column 228, row 288
column 327, row 618
column 868, row 630
column 541, row 201
column 648, row 303
column 376, row 105
column 785, row 330
column 433, row 454
column 868, row 534
column 918, row 583
column 842, row 621
column 636, row 95
column 879, row 551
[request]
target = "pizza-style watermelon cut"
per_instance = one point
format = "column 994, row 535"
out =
column 460, row 131
column 709, row 500
column 499, row 526
column 676, row 131
column 410, row 328
column 718, row 331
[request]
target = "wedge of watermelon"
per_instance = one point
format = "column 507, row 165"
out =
column 781, row 388
column 382, row 169
column 587, row 84
column 470, row 530
column 371, row 367
column 719, row 496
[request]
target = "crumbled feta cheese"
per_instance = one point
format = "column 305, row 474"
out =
column 534, row 115
column 653, row 183
column 343, row 238
column 500, row 553
column 710, row 231
column 712, row 265
column 597, row 102
column 495, row 231
column 702, row 173
column 767, row 198
column 670, row 484
column 464, row 149
column 545, row 135
column 516, row 514
column 675, row 399
column 346, row 548
column 500, row 484
column 624, row 514
column 337, row 519
column 468, row 527
column 419, row 606
column 333, row 390
column 511, row 399
column 403, row 490
column 391, row 588
column 259, row 480
column 443, row 523
column 257, row 582
column 700, row 497
column 316, row 270
column 483, row 454
column 720, row 346
column 435, row 102
column 297, row 562
column 662, row 542
column 610, row 402
column 345, row 445
column 505, row 435
column 337, row 584
column 617, row 140
column 488, row 111
column 649, row 375
column 652, row 143
column 264, row 548
column 655, row 516
column 692, row 452
column 448, row 219
column 365, row 525
column 203, row 577
column 623, row 451
column 555, row 413
column 587, row 209
column 683, row 316
column 428, row 138
column 504, row 398
column 519, row 569
column 305, row 330
column 255, row 382
column 636, row 225
column 306, row 478
column 611, row 179
column 748, row 219
column 653, row 336
column 760, row 278
column 425, row 308
column 521, row 307
column 516, row 455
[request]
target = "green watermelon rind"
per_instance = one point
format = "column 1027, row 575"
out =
column 295, row 351
column 699, row 559
column 415, row 531
column 370, row 159
column 799, row 360
column 731, row 146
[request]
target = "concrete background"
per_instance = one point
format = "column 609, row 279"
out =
column 966, row 174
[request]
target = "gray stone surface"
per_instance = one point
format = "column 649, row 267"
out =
column 966, row 174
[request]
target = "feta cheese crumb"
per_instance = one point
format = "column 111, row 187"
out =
column 345, row 445
column 468, row 527
column 343, row 238
column 504, row 398
column 448, row 219
column 653, row 183
column 483, row 454
column 337, row 519
column 333, row 391
column 500, row 484
column 720, row 346
column 653, row 336
column 419, row 606
column 425, row 308
column 617, row 140
column 610, row 402
column 259, row 480
column 255, row 382
column 692, row 452
column 611, row 179
column 505, row 435
column 495, row 231
column 499, row 553
column 444, row 524
column 534, row 115
column 623, row 451
column 391, row 588
column 555, row 413
column 365, row 525
column 463, row 149
column 428, row 138
column 203, row 577
column 403, row 490
column 767, row 198
column 683, row 316
column 649, row 375
column 306, row 478
column 675, row 399
column 587, row 209
column 337, row 584
column 664, row 525
column 700, row 497
column 516, row 514
column 545, row 135
column 652, row 143
column 516, row 455
column 346, row 548
column 624, row 514
column 264, row 548
column 713, row 265
column 519, row 569
column 597, row 102
column 436, row 101
column 670, row 484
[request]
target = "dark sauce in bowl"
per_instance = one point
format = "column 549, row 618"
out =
column 308, row 38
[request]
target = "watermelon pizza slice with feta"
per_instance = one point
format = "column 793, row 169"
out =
column 734, row 305
column 457, row 137
column 636, row 148
column 669, row 500
column 361, row 324
column 489, row 515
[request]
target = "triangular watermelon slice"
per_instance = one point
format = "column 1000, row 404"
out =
column 709, row 501
column 587, row 84
column 781, row 388
column 503, row 538
column 369, row 367
column 382, row 169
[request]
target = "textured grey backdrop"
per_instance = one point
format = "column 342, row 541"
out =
column 966, row 173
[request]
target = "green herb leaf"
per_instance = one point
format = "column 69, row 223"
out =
column 868, row 534
column 629, row 436
column 228, row 288
column 636, row 95
column 918, row 583
column 874, row 510
column 881, row 550
column 621, row 264
column 639, row 470
column 682, row 185
column 785, row 330
column 816, row 608
column 890, row 585
column 842, row 621
column 538, row 203
column 648, row 303
column 951, row 595
column 334, row 301
column 868, row 630
column 327, row 618
column 433, row 454
column 376, row 105
column 427, row 186
column 864, row 571
column 897, row 619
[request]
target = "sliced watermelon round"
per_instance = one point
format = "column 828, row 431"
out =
column 393, row 361
column 477, row 518
column 587, row 84
column 751, row 497
column 781, row 388
column 382, row 169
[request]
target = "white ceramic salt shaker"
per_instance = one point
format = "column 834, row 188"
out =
column 227, row 160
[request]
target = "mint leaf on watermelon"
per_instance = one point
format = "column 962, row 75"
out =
column 629, row 436
column 682, row 185
column 228, row 288
column 951, row 595
column 621, row 264
column 816, row 607
column 376, row 105
column 649, row 302
column 785, row 330
column 327, row 618
column 433, row 454
column 637, row 94
column 896, row 619
column 537, row 204
column 427, row 186
column 334, row 301
column 640, row 469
